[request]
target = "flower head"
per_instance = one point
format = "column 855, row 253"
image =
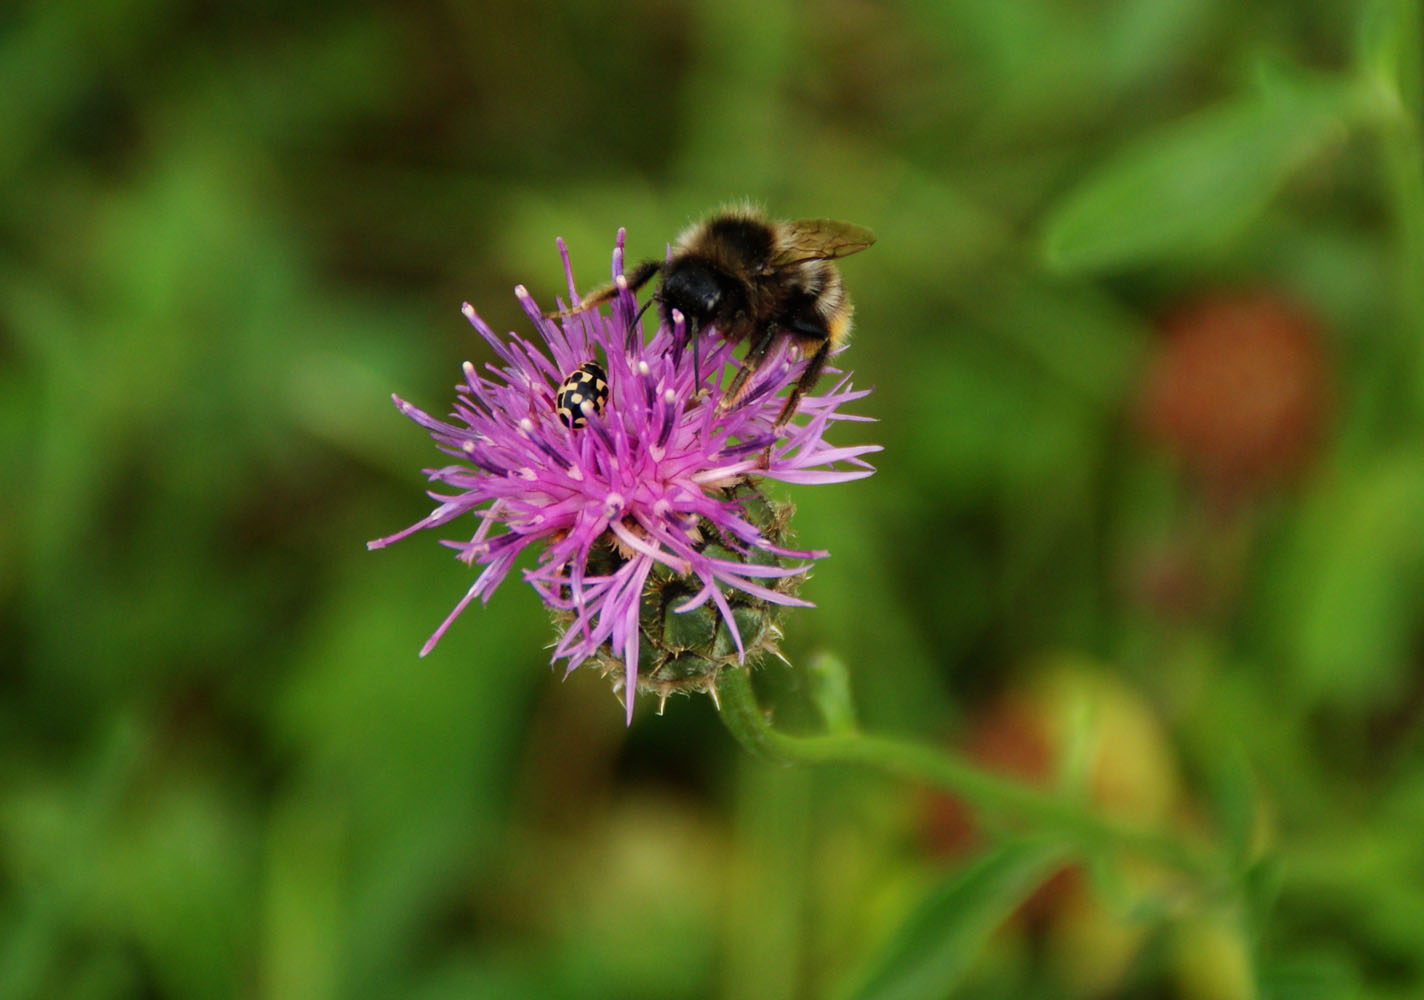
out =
column 654, row 487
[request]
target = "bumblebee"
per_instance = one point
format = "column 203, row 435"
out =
column 757, row 279
column 588, row 383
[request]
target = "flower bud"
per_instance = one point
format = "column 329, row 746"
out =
column 685, row 651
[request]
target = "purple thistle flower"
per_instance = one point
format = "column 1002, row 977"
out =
column 642, row 477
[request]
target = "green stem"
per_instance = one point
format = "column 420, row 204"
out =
column 1404, row 167
column 988, row 792
column 1393, row 77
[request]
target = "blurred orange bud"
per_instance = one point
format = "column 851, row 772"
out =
column 1071, row 723
column 1238, row 391
column 1070, row 707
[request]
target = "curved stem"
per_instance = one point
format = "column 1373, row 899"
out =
column 988, row 792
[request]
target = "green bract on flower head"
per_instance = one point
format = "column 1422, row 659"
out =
column 659, row 556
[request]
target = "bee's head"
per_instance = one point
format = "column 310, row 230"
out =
column 699, row 291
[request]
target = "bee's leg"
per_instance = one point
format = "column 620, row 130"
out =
column 636, row 279
column 756, row 354
column 805, row 382
column 639, row 276
column 595, row 298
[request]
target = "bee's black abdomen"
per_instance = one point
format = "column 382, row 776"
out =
column 588, row 383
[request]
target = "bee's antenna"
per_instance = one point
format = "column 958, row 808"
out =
column 683, row 330
column 634, row 324
column 696, row 360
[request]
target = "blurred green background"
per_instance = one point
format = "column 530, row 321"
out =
column 1146, row 326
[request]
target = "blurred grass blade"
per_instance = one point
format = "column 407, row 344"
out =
column 830, row 691
column 931, row 952
column 1388, row 49
column 1191, row 185
column 1232, row 786
column 1261, row 889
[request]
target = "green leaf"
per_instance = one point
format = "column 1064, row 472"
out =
column 1190, row 186
column 1388, row 50
column 1356, row 581
column 936, row 945
column 1320, row 976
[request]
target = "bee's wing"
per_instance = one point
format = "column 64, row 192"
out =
column 820, row 239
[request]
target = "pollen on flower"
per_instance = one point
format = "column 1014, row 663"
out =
column 660, row 557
